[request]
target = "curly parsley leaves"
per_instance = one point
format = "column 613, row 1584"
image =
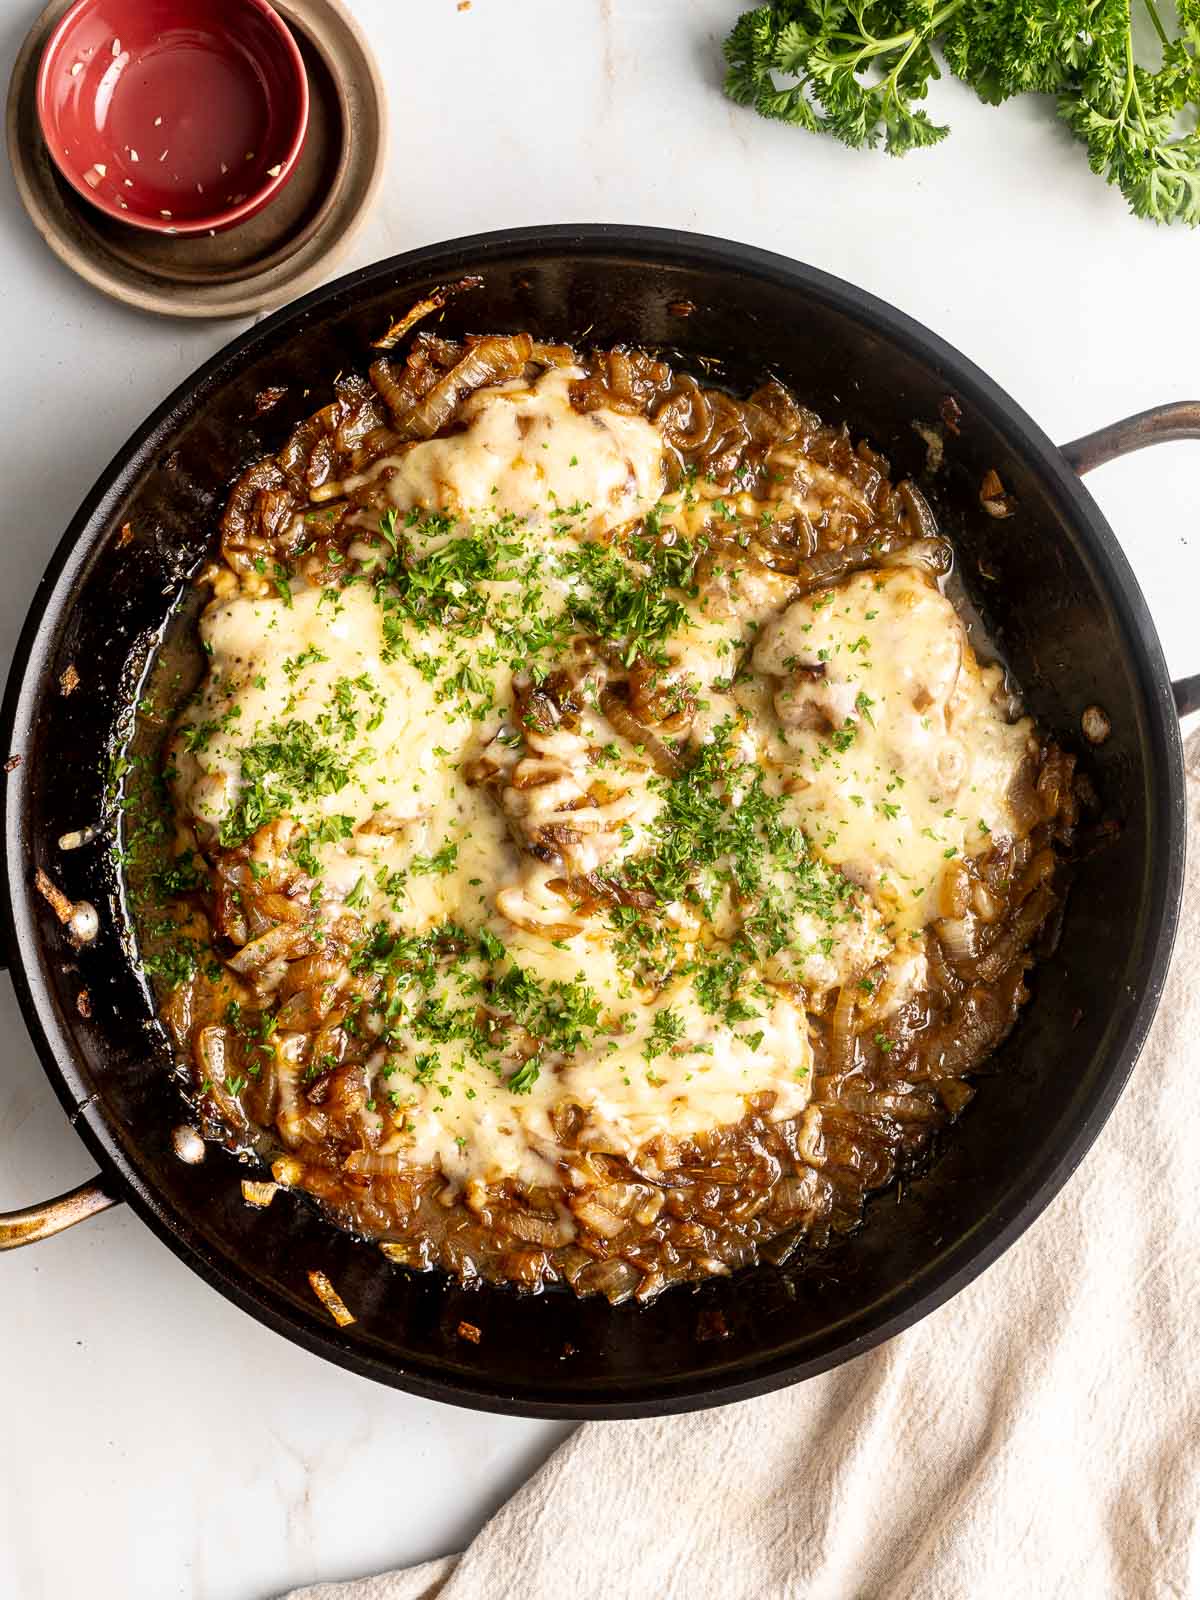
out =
column 860, row 70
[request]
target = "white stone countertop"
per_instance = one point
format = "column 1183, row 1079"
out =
column 158, row 1443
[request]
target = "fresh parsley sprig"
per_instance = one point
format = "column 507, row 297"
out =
column 860, row 70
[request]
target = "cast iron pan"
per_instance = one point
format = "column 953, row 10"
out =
column 1053, row 587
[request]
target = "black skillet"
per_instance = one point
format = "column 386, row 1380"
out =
column 1058, row 597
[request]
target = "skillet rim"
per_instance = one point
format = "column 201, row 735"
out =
column 970, row 1253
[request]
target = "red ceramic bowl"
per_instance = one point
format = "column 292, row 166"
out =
column 182, row 116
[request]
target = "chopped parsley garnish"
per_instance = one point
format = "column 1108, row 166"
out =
column 440, row 863
column 288, row 766
column 630, row 604
column 524, row 1078
column 721, row 834
column 666, row 1030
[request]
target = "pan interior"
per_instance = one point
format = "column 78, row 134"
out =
column 1050, row 597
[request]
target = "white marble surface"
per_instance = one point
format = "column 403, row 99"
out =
column 114, row 1482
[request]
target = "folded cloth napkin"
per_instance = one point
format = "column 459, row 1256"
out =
column 1037, row 1437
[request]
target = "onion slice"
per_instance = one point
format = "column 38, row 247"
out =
column 433, row 301
column 331, row 1299
column 493, row 358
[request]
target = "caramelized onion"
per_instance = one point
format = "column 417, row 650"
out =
column 236, row 523
column 435, row 300
column 281, row 943
column 396, row 1164
column 662, row 758
column 979, row 1026
column 212, row 1053
column 686, row 418
column 552, row 355
column 489, row 361
column 615, row 1280
column 330, row 1299
column 931, row 555
column 827, row 566
column 922, row 523
column 400, row 389
column 959, row 938
column 1022, row 796
column 536, row 1230
column 841, row 1030
column 1012, row 942
column 598, row 1218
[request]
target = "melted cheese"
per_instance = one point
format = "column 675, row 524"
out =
column 589, row 814
column 405, row 796
column 407, row 801
column 524, row 451
column 891, row 743
column 629, row 1092
column 866, row 712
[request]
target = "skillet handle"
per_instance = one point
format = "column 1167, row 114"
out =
column 1160, row 425
column 52, row 1216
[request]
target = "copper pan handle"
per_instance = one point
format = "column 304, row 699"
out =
column 1160, row 425
column 52, row 1216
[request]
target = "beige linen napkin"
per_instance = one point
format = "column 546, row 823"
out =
column 1037, row 1437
